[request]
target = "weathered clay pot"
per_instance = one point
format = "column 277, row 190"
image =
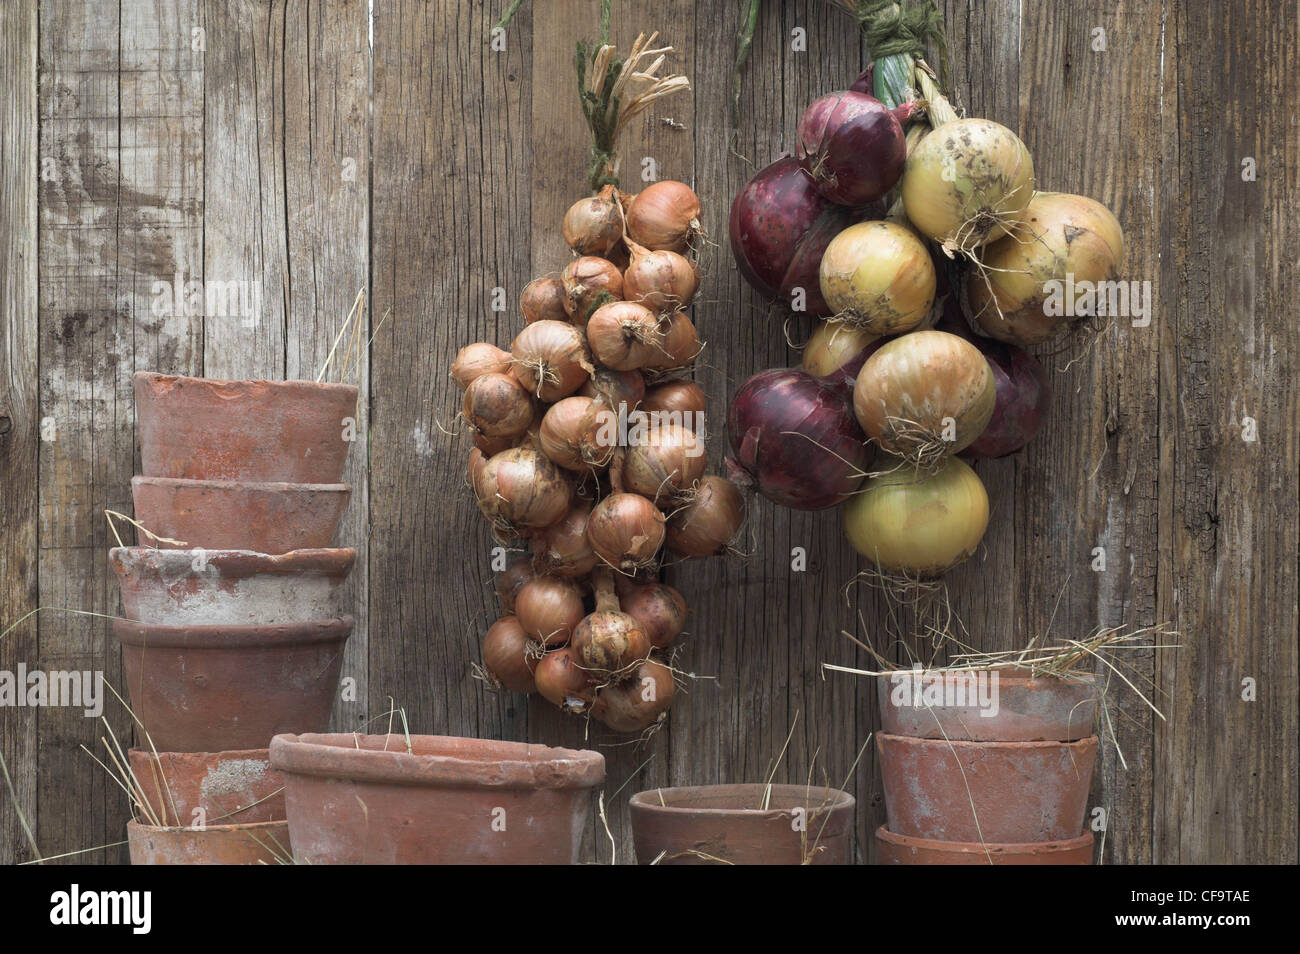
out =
column 263, row 431
column 996, row 705
column 230, row 587
column 1021, row 791
column 261, row 843
column 215, row 688
column 226, row 787
column 723, row 824
column 231, row 515
column 364, row 799
column 894, row 849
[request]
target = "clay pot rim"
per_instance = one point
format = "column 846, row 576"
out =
column 147, row 753
column 206, row 830
column 221, row 637
column 334, row 755
column 648, row 800
column 1017, row 675
column 1088, row 742
column 294, row 384
column 974, row 847
column 140, row 561
column 240, row 486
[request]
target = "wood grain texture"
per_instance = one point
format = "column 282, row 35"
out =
column 225, row 162
column 1225, row 774
column 451, row 168
column 327, row 215
column 19, row 409
column 246, row 225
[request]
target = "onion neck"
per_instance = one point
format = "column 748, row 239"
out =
column 602, row 583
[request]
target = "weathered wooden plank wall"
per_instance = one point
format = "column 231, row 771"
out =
column 275, row 142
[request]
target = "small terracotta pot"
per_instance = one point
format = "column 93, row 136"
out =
column 230, row 587
column 1021, row 791
column 894, row 849
column 364, row 799
column 262, row 843
column 227, row 787
column 986, row 705
column 264, row 431
column 213, row 688
column 723, row 824
column 230, row 515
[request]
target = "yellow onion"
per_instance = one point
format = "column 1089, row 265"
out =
column 659, row 609
column 1061, row 235
column 548, row 608
column 663, row 281
column 878, row 276
column 837, row 350
column 562, row 549
column 615, row 388
column 521, row 488
column 509, row 656
column 590, row 282
column 626, row 531
column 640, row 701
column 679, row 343
column 623, row 335
column 570, row 431
column 967, row 183
column 683, row 397
column 563, row 682
column 919, row 525
column 593, row 225
column 925, row 395
column 663, row 462
column 478, row 359
column 543, row 300
column 665, row 216
column 551, row 359
column 706, row 523
column 497, row 406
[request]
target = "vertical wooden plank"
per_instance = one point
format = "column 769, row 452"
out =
column 762, row 628
column 1227, row 775
column 1092, row 120
column 19, row 418
column 451, row 167
column 245, row 229
column 560, row 134
column 119, row 97
column 327, row 172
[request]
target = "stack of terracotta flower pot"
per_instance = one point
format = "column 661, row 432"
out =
column 233, row 631
column 986, row 767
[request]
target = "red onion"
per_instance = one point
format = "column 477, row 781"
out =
column 1024, row 392
column 853, row 146
column 795, row 440
column 780, row 226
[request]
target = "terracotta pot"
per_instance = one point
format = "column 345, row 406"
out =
column 230, row 587
column 722, row 824
column 989, row 705
column 230, row 515
column 894, row 849
column 1021, row 791
column 262, row 843
column 212, row 688
column 364, row 799
column 264, row 431
column 227, row 787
